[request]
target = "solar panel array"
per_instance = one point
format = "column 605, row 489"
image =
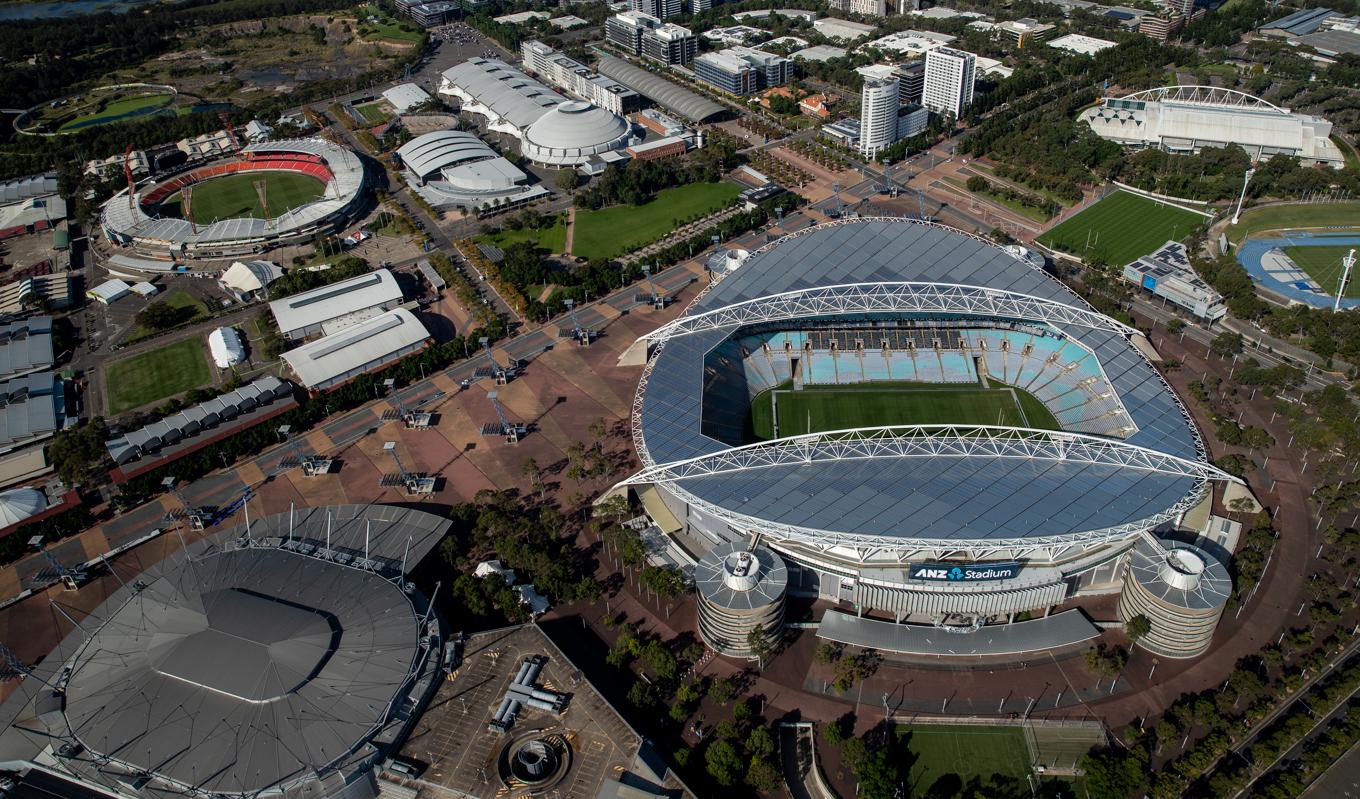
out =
column 938, row 498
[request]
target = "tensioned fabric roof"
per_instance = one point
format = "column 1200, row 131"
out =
column 664, row 93
column 509, row 93
column 239, row 670
column 934, row 499
column 426, row 155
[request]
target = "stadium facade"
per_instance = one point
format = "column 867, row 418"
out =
column 955, row 525
column 1186, row 119
column 160, row 241
column 280, row 658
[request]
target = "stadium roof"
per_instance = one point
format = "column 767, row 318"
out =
column 246, row 665
column 664, row 93
column 25, row 346
column 346, row 185
column 20, row 503
column 508, row 93
column 311, row 308
column 964, row 495
column 332, row 359
column 457, row 168
column 1300, row 22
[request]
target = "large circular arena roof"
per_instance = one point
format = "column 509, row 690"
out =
column 572, row 132
column 262, row 662
column 139, row 223
column 1126, row 459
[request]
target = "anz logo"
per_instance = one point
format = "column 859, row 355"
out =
column 963, row 573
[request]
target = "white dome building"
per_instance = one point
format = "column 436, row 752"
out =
column 20, row 504
column 577, row 134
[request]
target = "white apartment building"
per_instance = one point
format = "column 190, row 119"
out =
column 879, row 101
column 657, row 8
column 949, row 81
column 868, row 8
column 578, row 79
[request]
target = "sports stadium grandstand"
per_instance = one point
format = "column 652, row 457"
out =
column 152, row 227
column 923, row 425
column 1186, row 119
column 283, row 657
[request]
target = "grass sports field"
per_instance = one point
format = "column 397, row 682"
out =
column 155, row 375
column 948, row 757
column 1121, row 228
column 233, row 196
column 1336, row 217
column 1323, row 264
column 883, row 403
column 119, row 109
column 609, row 232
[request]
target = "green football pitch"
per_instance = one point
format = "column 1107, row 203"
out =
column 155, row 375
column 815, row 409
column 1121, row 228
column 947, row 755
column 1323, row 264
column 234, row 196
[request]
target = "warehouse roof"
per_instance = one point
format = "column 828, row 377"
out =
column 365, row 345
column 426, row 155
column 25, row 346
column 668, row 95
column 18, row 189
column 31, row 407
column 405, row 95
column 1300, row 22
column 335, row 300
column 509, row 93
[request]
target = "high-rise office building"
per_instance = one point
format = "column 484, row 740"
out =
column 878, row 115
column 626, row 29
column 741, row 70
column 868, row 8
column 660, row 9
column 913, row 77
column 670, row 44
column 948, row 86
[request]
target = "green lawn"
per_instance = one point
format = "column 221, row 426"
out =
column 1121, row 228
column 373, row 113
column 609, row 232
column 893, row 403
column 1323, row 264
column 1028, row 211
column 116, row 109
column 946, row 757
column 155, row 375
column 191, row 309
column 1256, row 221
column 553, row 239
column 233, row 196
column 386, row 27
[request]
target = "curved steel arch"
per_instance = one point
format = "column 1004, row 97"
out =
column 888, row 297
column 930, row 441
column 1206, row 95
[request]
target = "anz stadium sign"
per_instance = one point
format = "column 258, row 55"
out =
column 964, row 572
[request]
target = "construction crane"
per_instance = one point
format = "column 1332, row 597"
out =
column 511, row 431
column 231, row 132
column 413, row 483
column 312, row 465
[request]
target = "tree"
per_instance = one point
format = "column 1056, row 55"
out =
column 826, row 654
column 158, row 316
column 1112, row 773
column 759, row 743
column 568, row 179
column 834, row 731
column 763, row 776
column 1175, row 325
column 1226, row 345
column 976, row 184
column 1138, row 627
column 722, row 762
column 722, row 691
column 642, row 695
column 78, row 453
column 759, row 642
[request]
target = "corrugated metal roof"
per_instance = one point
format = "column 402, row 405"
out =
column 309, row 308
column 682, row 101
column 509, row 93
column 369, row 343
column 25, row 345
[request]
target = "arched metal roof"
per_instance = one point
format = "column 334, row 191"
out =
column 426, row 155
column 664, row 93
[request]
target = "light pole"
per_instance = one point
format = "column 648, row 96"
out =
column 1246, row 179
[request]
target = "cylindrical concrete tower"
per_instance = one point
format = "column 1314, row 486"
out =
column 740, row 590
column 1181, row 589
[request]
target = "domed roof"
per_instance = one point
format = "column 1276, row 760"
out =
column 19, row 504
column 576, row 124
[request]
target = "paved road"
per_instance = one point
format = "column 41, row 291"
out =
column 1342, row 779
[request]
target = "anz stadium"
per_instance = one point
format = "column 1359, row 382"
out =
column 927, row 429
column 266, row 196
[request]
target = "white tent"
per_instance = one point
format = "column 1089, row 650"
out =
column 225, row 344
column 109, row 291
column 245, row 279
column 20, row 504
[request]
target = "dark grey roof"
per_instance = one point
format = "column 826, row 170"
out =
column 247, row 667
column 25, row 346
column 921, row 499
column 31, row 407
column 1300, row 22
column 661, row 91
column 18, row 189
column 762, row 586
column 1209, row 589
column 1036, row 635
column 198, row 419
